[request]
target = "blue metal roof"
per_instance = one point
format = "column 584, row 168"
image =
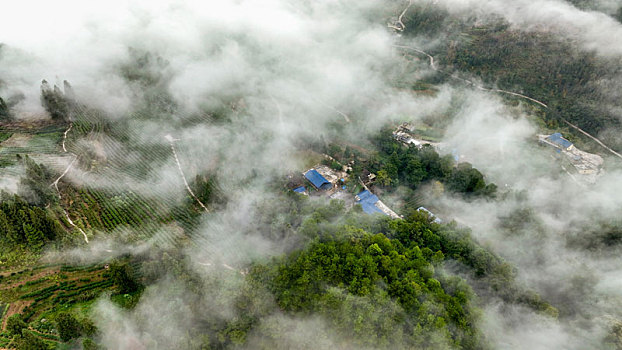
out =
column 364, row 195
column 300, row 189
column 370, row 208
column 557, row 139
column 368, row 200
column 317, row 180
column 372, row 199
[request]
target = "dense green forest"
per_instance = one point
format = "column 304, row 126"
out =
column 411, row 166
column 541, row 66
column 357, row 281
column 372, row 282
column 23, row 224
column 4, row 110
column 26, row 221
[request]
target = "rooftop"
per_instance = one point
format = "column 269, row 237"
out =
column 300, row 189
column 368, row 200
column 317, row 180
column 557, row 139
column 435, row 219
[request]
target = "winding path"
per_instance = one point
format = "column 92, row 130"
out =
column 279, row 110
column 400, row 25
column 55, row 184
column 593, row 138
column 345, row 116
column 228, row 267
column 470, row 82
column 479, row 87
column 171, row 140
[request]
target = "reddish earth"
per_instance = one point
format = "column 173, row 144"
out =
column 34, row 277
column 15, row 308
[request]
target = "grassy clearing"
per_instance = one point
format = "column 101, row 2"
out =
column 428, row 133
column 28, row 140
column 36, row 140
column 308, row 158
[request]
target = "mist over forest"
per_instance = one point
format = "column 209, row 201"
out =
column 340, row 174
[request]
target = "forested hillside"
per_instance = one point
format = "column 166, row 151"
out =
column 539, row 64
column 330, row 175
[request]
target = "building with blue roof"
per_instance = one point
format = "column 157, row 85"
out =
column 363, row 195
column 370, row 208
column 435, row 219
column 317, row 180
column 368, row 200
column 558, row 141
column 300, row 189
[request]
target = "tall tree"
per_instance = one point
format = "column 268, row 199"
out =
column 67, row 325
column 123, row 276
column 15, row 324
column 30, row 341
column 7, row 233
column 34, row 237
column 4, row 110
column 54, row 102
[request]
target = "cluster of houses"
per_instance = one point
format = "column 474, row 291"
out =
column 324, row 180
column 331, row 183
column 587, row 164
column 402, row 134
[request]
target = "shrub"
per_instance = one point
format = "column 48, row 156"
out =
column 68, row 327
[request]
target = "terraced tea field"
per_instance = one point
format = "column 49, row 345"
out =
column 41, row 292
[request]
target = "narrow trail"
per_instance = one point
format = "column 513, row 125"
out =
column 55, row 184
column 278, row 108
column 421, row 52
column 479, row 87
column 86, row 239
column 470, row 82
column 345, row 116
column 516, row 94
column 241, row 272
column 593, row 138
column 65, row 137
column 400, row 25
column 171, row 140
